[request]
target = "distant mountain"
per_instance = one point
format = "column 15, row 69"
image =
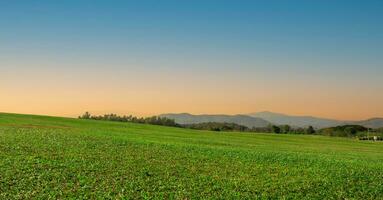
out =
column 296, row 121
column 305, row 121
column 263, row 119
column 371, row 123
column 186, row 118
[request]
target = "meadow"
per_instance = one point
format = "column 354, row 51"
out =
column 55, row 158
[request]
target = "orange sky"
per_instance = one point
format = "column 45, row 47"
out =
column 51, row 91
column 146, row 58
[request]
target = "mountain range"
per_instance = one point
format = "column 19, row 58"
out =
column 263, row 119
column 245, row 120
column 305, row 121
column 296, row 121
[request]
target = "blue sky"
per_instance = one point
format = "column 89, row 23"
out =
column 320, row 44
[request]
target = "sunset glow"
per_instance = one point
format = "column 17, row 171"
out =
column 144, row 59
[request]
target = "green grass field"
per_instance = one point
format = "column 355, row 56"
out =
column 50, row 157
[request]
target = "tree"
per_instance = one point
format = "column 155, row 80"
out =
column 285, row 129
column 310, row 130
column 276, row 129
column 86, row 115
column 351, row 131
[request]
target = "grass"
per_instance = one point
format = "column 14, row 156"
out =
column 49, row 157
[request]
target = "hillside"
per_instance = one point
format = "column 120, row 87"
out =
column 296, row 121
column 185, row 118
column 343, row 131
column 305, row 121
column 58, row 158
column 371, row 123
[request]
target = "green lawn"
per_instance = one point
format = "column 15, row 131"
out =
column 50, row 157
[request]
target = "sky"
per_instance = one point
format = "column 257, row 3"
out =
column 146, row 57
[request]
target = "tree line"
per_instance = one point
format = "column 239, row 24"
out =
column 351, row 131
column 217, row 126
column 223, row 126
column 154, row 120
column 339, row 131
column 211, row 126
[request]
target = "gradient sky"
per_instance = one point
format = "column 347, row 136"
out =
column 322, row 58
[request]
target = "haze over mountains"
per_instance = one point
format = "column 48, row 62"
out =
column 304, row 121
column 186, row 118
column 263, row 119
column 296, row 121
column 372, row 123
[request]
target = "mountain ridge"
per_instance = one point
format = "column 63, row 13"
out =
column 265, row 118
column 317, row 122
column 245, row 120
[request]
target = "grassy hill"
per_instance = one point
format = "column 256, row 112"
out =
column 50, row 157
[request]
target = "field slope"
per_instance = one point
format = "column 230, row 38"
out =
column 50, row 157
